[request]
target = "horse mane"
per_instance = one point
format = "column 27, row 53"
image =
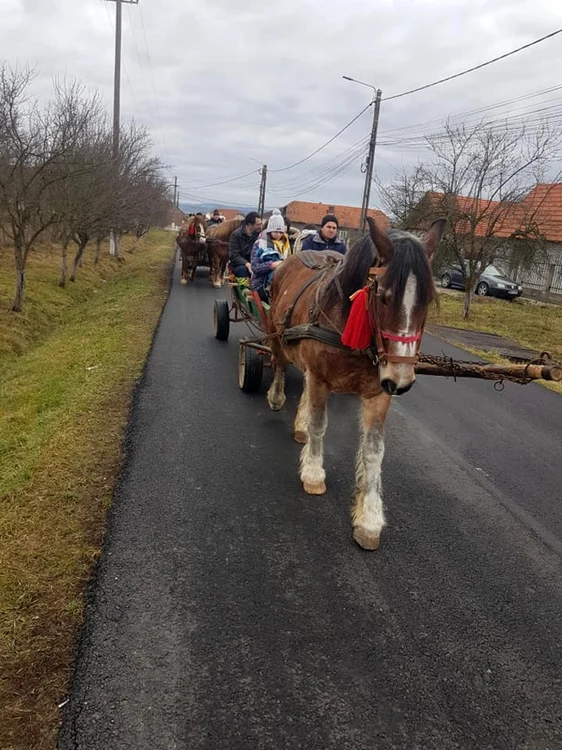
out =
column 224, row 230
column 409, row 257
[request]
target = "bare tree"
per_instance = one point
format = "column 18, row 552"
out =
column 36, row 146
column 478, row 179
column 139, row 188
column 86, row 197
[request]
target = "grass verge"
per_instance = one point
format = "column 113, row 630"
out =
column 536, row 325
column 68, row 365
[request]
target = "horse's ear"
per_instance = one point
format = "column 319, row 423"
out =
column 381, row 242
column 433, row 237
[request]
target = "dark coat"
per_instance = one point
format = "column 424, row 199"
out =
column 317, row 242
column 240, row 246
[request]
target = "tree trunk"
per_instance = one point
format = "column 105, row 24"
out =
column 64, row 264
column 20, row 257
column 466, row 304
column 76, row 261
column 116, row 240
column 98, row 250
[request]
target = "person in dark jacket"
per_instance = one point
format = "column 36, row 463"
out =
column 327, row 238
column 215, row 218
column 241, row 243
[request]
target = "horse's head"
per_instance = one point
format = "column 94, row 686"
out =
column 196, row 230
column 400, row 289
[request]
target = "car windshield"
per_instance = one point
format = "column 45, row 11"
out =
column 494, row 271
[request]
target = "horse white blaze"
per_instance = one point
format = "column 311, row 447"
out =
column 202, row 236
column 403, row 374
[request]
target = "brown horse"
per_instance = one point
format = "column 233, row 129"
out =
column 192, row 241
column 393, row 276
column 218, row 237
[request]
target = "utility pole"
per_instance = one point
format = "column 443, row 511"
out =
column 113, row 245
column 370, row 162
column 261, row 202
column 175, row 191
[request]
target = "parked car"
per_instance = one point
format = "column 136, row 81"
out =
column 492, row 281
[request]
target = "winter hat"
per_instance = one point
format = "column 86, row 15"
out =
column 329, row 217
column 276, row 222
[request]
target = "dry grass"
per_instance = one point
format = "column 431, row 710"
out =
column 67, row 367
column 535, row 325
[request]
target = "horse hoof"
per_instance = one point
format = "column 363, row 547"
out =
column 216, row 285
column 276, row 404
column 301, row 437
column 314, row 488
column 366, row 539
column 183, row 281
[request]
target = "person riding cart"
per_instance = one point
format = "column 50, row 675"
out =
column 241, row 243
column 215, row 218
column 327, row 238
column 268, row 252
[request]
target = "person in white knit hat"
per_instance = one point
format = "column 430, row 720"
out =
column 269, row 251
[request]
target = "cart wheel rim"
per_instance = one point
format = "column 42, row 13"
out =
column 241, row 366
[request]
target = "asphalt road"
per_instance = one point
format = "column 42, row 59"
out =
column 232, row 611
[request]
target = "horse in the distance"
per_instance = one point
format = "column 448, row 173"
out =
column 192, row 242
column 218, row 237
column 370, row 348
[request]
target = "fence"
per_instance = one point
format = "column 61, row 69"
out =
column 542, row 277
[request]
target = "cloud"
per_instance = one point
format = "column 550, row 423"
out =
column 223, row 83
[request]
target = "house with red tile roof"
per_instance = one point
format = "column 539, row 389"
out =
column 301, row 213
column 536, row 217
column 230, row 213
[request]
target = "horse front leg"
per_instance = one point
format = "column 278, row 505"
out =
column 301, row 420
column 315, row 413
column 184, row 268
column 276, row 394
column 216, row 273
column 193, row 269
column 368, row 513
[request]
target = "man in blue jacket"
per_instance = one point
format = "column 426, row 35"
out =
column 327, row 238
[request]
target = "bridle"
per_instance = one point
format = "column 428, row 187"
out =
column 374, row 301
column 196, row 233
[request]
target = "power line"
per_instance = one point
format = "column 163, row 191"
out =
column 325, row 168
column 333, row 138
column 230, row 179
column 475, row 67
column 478, row 110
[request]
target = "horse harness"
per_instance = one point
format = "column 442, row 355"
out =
column 330, row 335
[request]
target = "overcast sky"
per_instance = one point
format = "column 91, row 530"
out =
column 225, row 84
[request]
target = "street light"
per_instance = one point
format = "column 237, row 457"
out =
column 354, row 80
column 371, row 154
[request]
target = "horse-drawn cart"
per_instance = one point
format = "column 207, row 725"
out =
column 351, row 325
column 254, row 352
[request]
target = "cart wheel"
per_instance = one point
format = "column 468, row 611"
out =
column 221, row 320
column 250, row 369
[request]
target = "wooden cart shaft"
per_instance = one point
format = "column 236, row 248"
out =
column 522, row 372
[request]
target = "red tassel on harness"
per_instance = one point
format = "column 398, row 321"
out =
column 357, row 332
